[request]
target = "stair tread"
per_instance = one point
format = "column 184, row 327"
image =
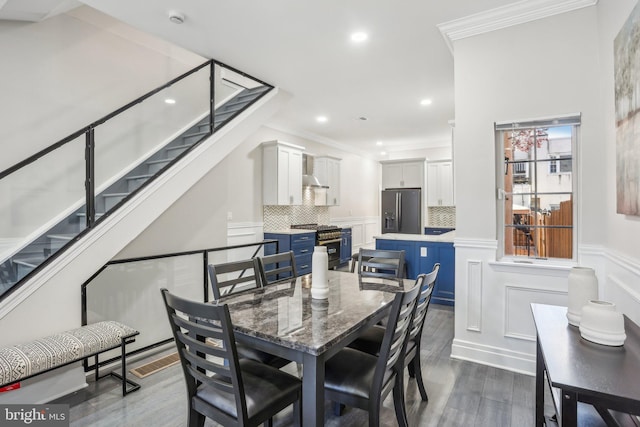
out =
column 202, row 132
column 114, row 194
column 159, row 161
column 140, row 176
column 61, row 236
column 28, row 262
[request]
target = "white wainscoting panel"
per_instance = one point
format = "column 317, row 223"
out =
column 357, row 236
column 622, row 284
column 371, row 229
column 474, row 295
column 518, row 320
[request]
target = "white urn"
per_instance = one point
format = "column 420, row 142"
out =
column 602, row 323
column 583, row 287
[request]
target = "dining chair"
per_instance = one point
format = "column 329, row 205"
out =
column 371, row 340
column 354, row 261
column 358, row 379
column 277, row 267
column 232, row 277
column 381, row 263
column 228, row 390
column 245, row 275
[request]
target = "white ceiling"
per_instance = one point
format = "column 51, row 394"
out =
column 304, row 48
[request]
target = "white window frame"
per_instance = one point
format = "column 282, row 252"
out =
column 573, row 120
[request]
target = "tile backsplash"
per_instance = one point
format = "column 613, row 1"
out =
column 282, row 217
column 442, row 216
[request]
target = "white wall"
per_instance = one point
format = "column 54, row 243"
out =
column 65, row 72
column 553, row 66
column 431, row 154
column 611, row 16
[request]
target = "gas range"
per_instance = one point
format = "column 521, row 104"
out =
column 323, row 232
column 329, row 236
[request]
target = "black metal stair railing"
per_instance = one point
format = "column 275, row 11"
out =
column 110, row 176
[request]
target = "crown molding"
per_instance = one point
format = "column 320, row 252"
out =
column 506, row 16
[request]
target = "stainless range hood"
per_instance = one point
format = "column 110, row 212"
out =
column 308, row 179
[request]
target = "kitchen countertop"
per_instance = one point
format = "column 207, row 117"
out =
column 290, row 231
column 444, row 238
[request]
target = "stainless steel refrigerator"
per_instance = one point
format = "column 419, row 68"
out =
column 402, row 211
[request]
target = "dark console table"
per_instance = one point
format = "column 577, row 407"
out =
column 586, row 379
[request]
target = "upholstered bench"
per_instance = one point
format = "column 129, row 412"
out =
column 29, row 359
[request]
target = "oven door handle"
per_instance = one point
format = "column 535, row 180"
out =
column 326, row 242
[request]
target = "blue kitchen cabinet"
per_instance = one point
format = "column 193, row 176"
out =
column 409, row 249
column 428, row 254
column 411, row 262
column 345, row 246
column 420, row 257
column 300, row 243
column 444, row 292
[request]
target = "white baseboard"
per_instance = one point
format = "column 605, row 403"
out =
column 497, row 357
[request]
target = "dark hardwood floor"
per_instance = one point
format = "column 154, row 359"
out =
column 460, row 394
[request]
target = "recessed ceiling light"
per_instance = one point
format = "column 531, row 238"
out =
column 383, row 153
column 169, row 101
column 379, row 143
column 176, row 17
column 426, row 102
column 321, row 119
column 359, row 37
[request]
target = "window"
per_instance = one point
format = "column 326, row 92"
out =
column 563, row 165
column 536, row 188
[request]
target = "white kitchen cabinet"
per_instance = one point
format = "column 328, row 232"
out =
column 281, row 173
column 440, row 183
column 403, row 173
column 327, row 170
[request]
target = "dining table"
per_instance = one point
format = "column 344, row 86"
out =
column 283, row 319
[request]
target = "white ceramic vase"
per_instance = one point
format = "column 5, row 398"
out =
column 319, row 268
column 583, row 287
column 602, row 323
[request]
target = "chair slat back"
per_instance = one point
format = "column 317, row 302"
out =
column 423, row 302
column 206, row 345
column 273, row 267
column 232, row 277
column 381, row 263
column 396, row 334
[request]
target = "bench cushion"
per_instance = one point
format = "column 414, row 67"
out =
column 27, row 359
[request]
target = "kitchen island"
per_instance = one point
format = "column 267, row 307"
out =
column 421, row 253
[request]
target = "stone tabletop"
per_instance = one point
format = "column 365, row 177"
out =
column 286, row 314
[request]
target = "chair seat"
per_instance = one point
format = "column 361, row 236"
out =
column 370, row 341
column 246, row 352
column 264, row 386
column 351, row 372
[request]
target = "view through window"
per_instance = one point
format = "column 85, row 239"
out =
column 536, row 188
